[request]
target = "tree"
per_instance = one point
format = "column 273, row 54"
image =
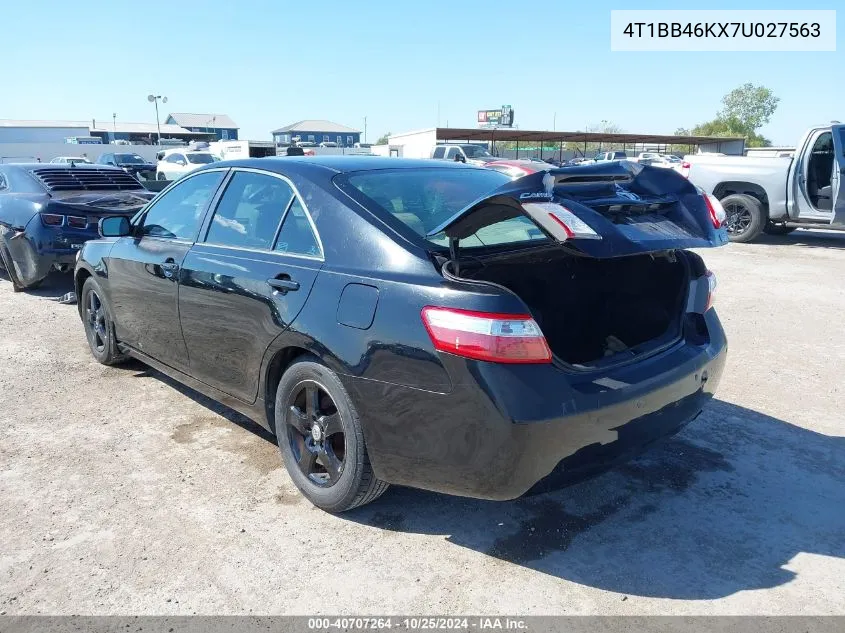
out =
column 750, row 105
column 745, row 110
column 382, row 140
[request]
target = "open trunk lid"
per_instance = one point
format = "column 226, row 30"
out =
column 604, row 210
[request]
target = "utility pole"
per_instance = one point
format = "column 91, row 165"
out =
column 155, row 99
column 114, row 125
column 365, row 129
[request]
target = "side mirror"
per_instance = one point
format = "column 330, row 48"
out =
column 114, row 226
column 181, row 162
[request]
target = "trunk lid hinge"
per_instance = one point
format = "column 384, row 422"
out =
column 454, row 242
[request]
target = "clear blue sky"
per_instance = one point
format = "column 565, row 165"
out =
column 267, row 63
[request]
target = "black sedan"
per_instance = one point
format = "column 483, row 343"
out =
column 131, row 163
column 426, row 324
column 47, row 211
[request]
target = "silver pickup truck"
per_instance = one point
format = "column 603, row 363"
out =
column 776, row 195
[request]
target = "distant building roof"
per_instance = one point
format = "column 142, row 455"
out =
column 316, row 125
column 42, row 123
column 139, row 128
column 187, row 119
column 103, row 126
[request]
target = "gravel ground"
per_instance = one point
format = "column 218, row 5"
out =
column 123, row 492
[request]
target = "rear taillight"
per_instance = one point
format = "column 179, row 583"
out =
column 711, row 289
column 685, row 167
column 52, row 219
column 77, row 221
column 573, row 227
column 489, row 336
column 716, row 210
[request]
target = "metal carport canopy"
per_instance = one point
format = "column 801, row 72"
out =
column 508, row 134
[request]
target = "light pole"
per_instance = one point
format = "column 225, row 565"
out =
column 554, row 121
column 365, row 130
column 114, row 125
column 154, row 99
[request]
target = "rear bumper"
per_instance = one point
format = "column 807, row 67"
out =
column 35, row 253
column 504, row 430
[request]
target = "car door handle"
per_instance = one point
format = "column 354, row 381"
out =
column 283, row 283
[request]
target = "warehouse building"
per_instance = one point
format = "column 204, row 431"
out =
column 223, row 127
column 94, row 131
column 316, row 131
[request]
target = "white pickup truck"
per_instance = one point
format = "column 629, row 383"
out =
column 778, row 194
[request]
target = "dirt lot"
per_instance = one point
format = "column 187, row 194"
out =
column 123, row 492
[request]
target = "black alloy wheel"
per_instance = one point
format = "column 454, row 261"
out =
column 99, row 329
column 95, row 323
column 738, row 218
column 315, row 433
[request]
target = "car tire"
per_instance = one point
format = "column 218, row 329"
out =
column 778, row 229
column 99, row 327
column 160, row 176
column 745, row 218
column 8, row 265
column 310, row 394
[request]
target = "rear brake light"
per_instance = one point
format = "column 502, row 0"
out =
column 52, row 219
column 716, row 210
column 685, row 167
column 711, row 289
column 573, row 226
column 77, row 221
column 489, row 336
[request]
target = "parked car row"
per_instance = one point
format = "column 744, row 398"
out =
column 403, row 321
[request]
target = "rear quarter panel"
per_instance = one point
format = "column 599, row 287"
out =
column 768, row 173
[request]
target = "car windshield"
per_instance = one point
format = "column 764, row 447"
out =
column 672, row 159
column 422, row 199
column 129, row 159
column 200, row 158
column 474, row 151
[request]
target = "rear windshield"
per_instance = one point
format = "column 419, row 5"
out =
column 202, row 159
column 422, row 199
column 129, row 159
column 474, row 151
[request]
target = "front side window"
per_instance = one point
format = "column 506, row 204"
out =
column 297, row 235
column 175, row 158
column 178, row 213
column 439, row 152
column 249, row 211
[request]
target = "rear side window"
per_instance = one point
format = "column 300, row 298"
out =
column 249, row 211
column 178, row 213
column 423, row 199
column 297, row 236
column 439, row 152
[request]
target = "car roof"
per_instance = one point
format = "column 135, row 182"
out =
column 342, row 164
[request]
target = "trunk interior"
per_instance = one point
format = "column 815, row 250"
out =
column 591, row 309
